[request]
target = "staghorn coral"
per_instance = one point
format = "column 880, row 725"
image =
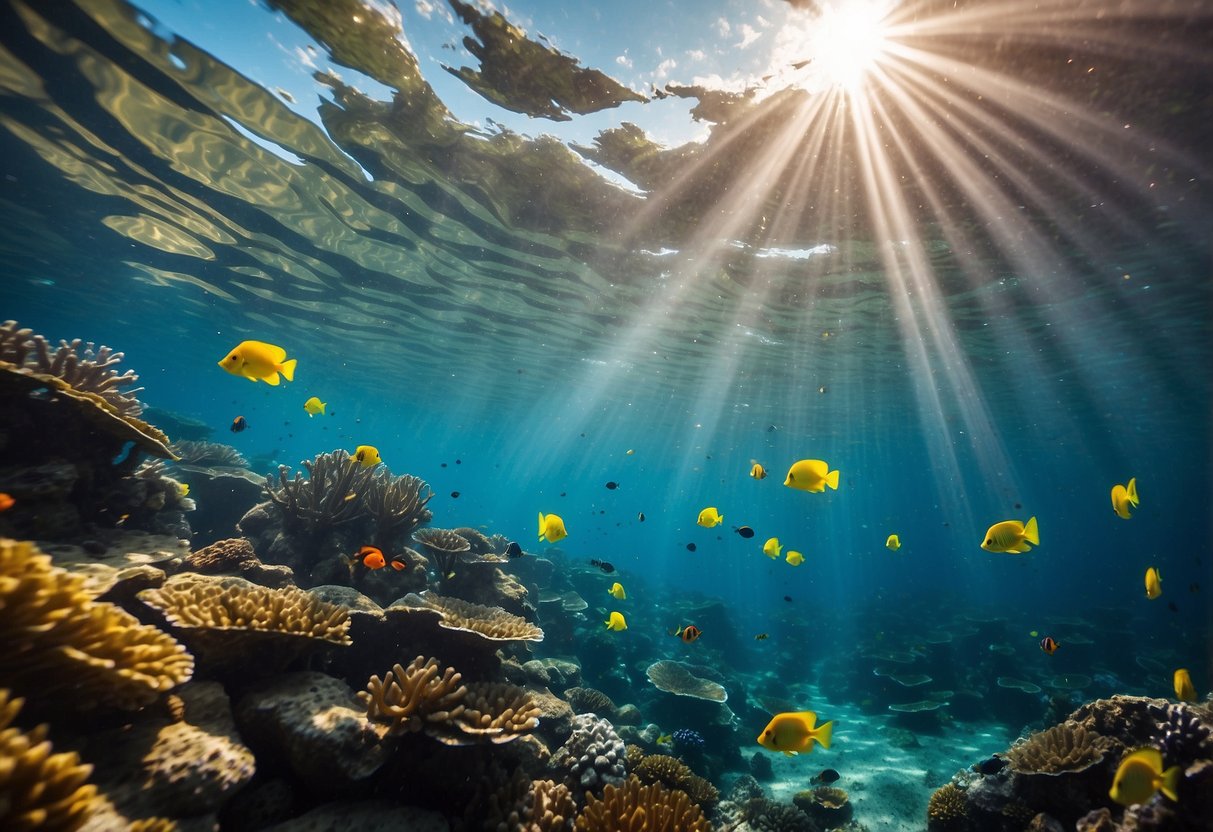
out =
column 323, row 499
column 85, row 368
column 408, row 698
column 523, row 805
column 215, row 605
column 491, row 623
column 396, row 504
column 445, row 546
column 57, row 642
column 763, row 815
column 230, row 555
column 1066, row 747
column 590, row 701
column 207, row 454
column 946, row 807
column 39, row 790
column 636, row 808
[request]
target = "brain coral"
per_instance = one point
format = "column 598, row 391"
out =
column 57, row 642
column 636, row 808
column 39, row 790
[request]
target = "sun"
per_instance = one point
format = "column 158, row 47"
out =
column 848, row 41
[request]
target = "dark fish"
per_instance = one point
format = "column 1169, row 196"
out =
column 612, row 485
column 563, row 494
column 827, row 776
column 691, row 547
column 761, row 637
column 444, row 465
column 455, row 495
column 459, row 462
column 1171, row 606
column 788, row 598
column 513, row 550
column 1019, row 505
column 744, row 531
column 993, row 765
column 238, row 424
column 640, row 517
column 605, row 566
column 771, row 428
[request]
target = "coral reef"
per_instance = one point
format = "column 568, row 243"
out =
column 590, row 701
column 592, row 757
column 524, row 805
column 60, row 645
column 672, row 772
column 322, row 500
column 495, row 712
column 763, row 815
column 677, row 678
column 408, row 698
column 39, row 790
column 230, row 555
column 490, row 623
column 1066, row 747
column 1184, row 736
column 207, row 454
column 396, row 505
column 444, row 546
column 946, row 807
column 632, row 807
column 828, row 806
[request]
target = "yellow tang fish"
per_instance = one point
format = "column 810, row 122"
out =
column 811, row 475
column 551, row 527
column 1153, row 583
column 1140, row 775
column 710, row 517
column 367, row 456
column 1012, row 537
column 758, row 472
column 1124, row 497
column 771, row 548
column 183, row 488
column 795, row 558
column 617, row 592
column 314, row 406
column 616, row 622
column 792, row 733
column 1185, row 691
column 259, row 361
column 894, row 542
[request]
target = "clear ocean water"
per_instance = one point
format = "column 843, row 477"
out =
column 978, row 286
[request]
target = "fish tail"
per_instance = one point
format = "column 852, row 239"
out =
column 1031, row 533
column 1132, row 491
column 1170, row 783
column 832, row 480
column 541, row 525
column 288, row 369
column 824, row 732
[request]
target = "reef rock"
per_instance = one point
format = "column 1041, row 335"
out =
column 317, row 724
column 364, row 816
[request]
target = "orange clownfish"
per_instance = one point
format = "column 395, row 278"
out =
column 688, row 633
column 1049, row 645
column 372, row 557
column 6, row 501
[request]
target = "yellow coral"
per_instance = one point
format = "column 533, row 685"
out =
column 39, row 790
column 636, row 808
column 947, row 805
column 55, row 640
column 407, row 698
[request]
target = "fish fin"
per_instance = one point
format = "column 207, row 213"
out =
column 271, row 379
column 832, row 480
column 288, row 368
column 1170, row 783
column 323, row 405
column 275, row 352
column 823, row 733
column 1031, row 533
column 789, row 753
column 1132, row 491
column 541, row 525
column 809, row 717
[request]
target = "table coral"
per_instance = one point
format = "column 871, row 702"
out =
column 677, row 678
column 57, row 643
column 39, row 790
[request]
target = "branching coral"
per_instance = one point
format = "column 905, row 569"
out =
column 523, row 805
column 397, row 504
column 209, row 454
column 408, row 697
column 57, row 642
column 946, row 806
column 331, row 495
column 39, row 790
column 492, row 623
column 190, row 602
column 1066, row 747
column 636, row 808
column 444, row 545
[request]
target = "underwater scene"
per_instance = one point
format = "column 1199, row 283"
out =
column 771, row 416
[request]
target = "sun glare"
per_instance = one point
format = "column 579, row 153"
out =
column 848, row 40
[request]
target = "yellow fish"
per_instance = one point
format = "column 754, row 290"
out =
column 551, row 528
column 664, row 739
column 1140, row 775
column 792, row 733
column 710, row 517
column 771, row 548
column 795, row 558
column 758, row 472
column 1011, row 537
column 183, row 488
column 616, row 622
column 1185, row 691
column 259, row 361
column 894, row 542
column 811, row 475
column 1124, row 496
column 617, row 592
column 367, row 456
column 1153, row 583
column 314, row 406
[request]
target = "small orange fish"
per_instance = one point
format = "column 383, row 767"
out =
column 6, row 501
column 688, row 633
column 1049, row 645
column 399, row 564
column 239, row 424
column 372, row 557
